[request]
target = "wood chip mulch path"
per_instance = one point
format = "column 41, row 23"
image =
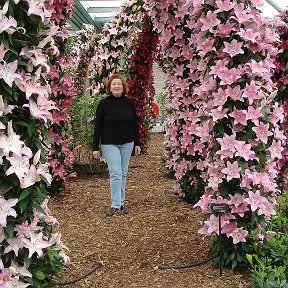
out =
column 159, row 230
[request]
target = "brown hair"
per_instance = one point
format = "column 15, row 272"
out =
column 123, row 80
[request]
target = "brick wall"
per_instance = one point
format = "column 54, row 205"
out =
column 158, row 76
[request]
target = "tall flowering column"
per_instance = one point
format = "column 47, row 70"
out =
column 281, row 78
column 85, row 43
column 31, row 254
column 62, row 88
column 237, row 110
column 182, row 68
column 141, row 80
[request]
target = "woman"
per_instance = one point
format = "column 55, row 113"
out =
column 117, row 130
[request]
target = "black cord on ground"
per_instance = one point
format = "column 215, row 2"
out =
column 194, row 264
column 98, row 265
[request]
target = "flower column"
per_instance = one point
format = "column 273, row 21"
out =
column 62, row 88
column 141, row 79
column 85, row 44
column 237, row 99
column 182, row 66
column 30, row 253
column 280, row 77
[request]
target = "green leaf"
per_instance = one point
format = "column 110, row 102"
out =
column 271, row 283
column 13, row 51
column 242, row 58
column 229, row 105
column 7, row 87
column 25, row 193
column 4, row 187
column 220, row 128
column 234, row 263
column 249, row 135
column 38, row 207
column 250, row 259
column 45, row 180
column 39, row 144
column 204, row 117
column 23, row 204
column 6, row 44
column 265, row 111
column 47, row 135
column 31, row 128
column 253, row 218
column 241, row 165
column 239, row 257
column 23, row 63
column 21, row 123
column 39, row 275
column 225, row 189
column 9, row 229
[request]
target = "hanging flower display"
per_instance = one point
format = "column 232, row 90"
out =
column 140, row 75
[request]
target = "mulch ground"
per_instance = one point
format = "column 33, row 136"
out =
column 159, row 230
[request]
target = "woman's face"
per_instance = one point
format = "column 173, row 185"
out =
column 116, row 87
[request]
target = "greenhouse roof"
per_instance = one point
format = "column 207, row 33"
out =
column 98, row 12
column 94, row 12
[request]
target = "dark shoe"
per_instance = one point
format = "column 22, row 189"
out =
column 111, row 211
column 124, row 210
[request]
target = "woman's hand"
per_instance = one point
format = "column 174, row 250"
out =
column 137, row 150
column 96, row 154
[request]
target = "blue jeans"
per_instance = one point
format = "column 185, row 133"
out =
column 117, row 157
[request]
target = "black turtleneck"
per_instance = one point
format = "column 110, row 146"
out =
column 115, row 122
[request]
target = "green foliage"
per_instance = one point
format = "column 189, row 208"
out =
column 193, row 193
column 269, row 259
column 42, row 268
column 82, row 115
column 233, row 255
column 265, row 274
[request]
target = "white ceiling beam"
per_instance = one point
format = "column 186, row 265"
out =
column 105, row 14
column 93, row 9
column 103, row 19
column 275, row 5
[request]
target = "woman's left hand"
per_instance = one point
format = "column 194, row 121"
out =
column 137, row 150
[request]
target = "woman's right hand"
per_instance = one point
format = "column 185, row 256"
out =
column 96, row 154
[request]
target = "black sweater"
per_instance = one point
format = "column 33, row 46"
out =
column 115, row 122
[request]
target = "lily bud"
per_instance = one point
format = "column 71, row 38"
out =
column 36, row 157
column 1, row 103
column 5, row 8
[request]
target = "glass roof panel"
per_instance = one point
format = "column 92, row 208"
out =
column 101, row 11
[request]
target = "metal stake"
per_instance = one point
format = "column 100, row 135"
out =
column 219, row 246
